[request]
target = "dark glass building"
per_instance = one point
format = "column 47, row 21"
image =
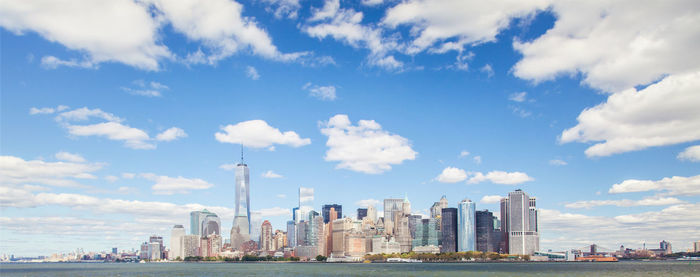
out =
column 326, row 208
column 449, row 230
column 361, row 213
column 487, row 239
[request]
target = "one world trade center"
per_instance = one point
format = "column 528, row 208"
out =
column 240, row 232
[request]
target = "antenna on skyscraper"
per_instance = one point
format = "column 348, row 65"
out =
column 242, row 162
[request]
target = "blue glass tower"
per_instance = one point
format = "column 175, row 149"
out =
column 466, row 226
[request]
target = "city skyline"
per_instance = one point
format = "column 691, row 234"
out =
column 115, row 126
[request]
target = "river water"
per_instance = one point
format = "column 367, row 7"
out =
column 631, row 268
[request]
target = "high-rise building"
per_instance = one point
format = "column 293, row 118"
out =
column 197, row 219
column 143, row 253
column 176, row 242
column 291, row 234
column 519, row 224
column 161, row 249
column 426, row 233
column 317, row 234
column 666, row 247
column 372, row 213
column 240, row 232
column 211, row 225
column 154, row 251
column 332, row 216
column 486, row 237
column 449, row 230
column 190, row 245
column 436, row 209
column 326, row 209
column 361, row 213
column 341, row 229
column 392, row 205
column 266, row 236
column 696, row 246
column 466, row 226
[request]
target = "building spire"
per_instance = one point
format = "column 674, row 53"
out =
column 242, row 162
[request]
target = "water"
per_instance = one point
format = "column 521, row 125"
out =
column 661, row 268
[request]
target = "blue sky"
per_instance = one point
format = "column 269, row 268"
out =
column 108, row 116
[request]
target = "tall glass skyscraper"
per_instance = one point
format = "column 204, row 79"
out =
column 240, row 232
column 466, row 226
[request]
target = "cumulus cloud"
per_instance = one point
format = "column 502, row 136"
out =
column 258, row 134
column 518, row 96
column 46, row 110
column 557, row 162
column 488, row 69
column 477, row 159
column 136, row 29
column 452, row 175
column 491, row 199
column 676, row 185
column 152, row 89
column 661, row 114
column 453, row 24
column 252, row 73
column 69, row 157
column 132, row 137
column 691, row 154
column 171, row 134
column 85, row 113
column 364, row 147
column 500, row 177
column 175, row 185
column 345, row 25
column 17, row 171
column 654, row 201
column 111, row 178
column 326, row 93
column 228, row 167
column 271, row 175
column 464, row 153
column 367, row 202
column 283, row 8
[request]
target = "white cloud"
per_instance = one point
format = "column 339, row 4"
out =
column 488, row 69
column 691, row 154
column 252, row 73
column 654, row 201
column 611, row 49
column 84, row 113
column 283, row 8
column 281, row 195
column 228, row 167
column 172, row 185
column 477, row 159
column 271, row 175
column 271, row 212
column 345, row 25
column 364, row 147
column 452, row 24
column 132, row 137
column 258, row 134
column 518, row 96
column 464, row 153
column 127, row 175
column 557, row 162
column 661, row 114
column 17, row 171
column 69, row 157
column 152, row 89
column 46, row 110
column 452, row 175
column 306, row 195
column 116, row 31
column 326, row 93
column 500, row 177
column 111, row 178
column 372, row 2
column 171, row 134
column 491, row 199
column 675, row 185
column 367, row 202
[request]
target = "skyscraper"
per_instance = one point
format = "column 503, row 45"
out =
column 466, row 226
column 240, row 232
column 519, row 224
column 449, row 230
column 426, row 233
column 436, row 209
column 266, row 236
column 332, row 216
column 211, row 224
column 176, row 242
column 392, row 205
column 361, row 213
column 372, row 213
column 486, row 237
column 291, row 234
column 326, row 208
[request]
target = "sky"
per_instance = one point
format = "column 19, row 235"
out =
column 120, row 117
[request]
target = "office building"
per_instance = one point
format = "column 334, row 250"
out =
column 426, row 233
column 487, row 237
column 266, row 236
column 291, row 234
column 466, row 226
column 372, row 213
column 332, row 216
column 391, row 205
column 341, row 229
column 160, row 251
column 520, row 234
column 448, row 228
column 325, row 211
column 204, row 223
column 361, row 213
column 154, row 251
column 696, row 246
column 176, row 242
column 436, row 208
column 240, row 232
column 190, row 245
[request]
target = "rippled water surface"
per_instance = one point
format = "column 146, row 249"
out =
column 664, row 268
